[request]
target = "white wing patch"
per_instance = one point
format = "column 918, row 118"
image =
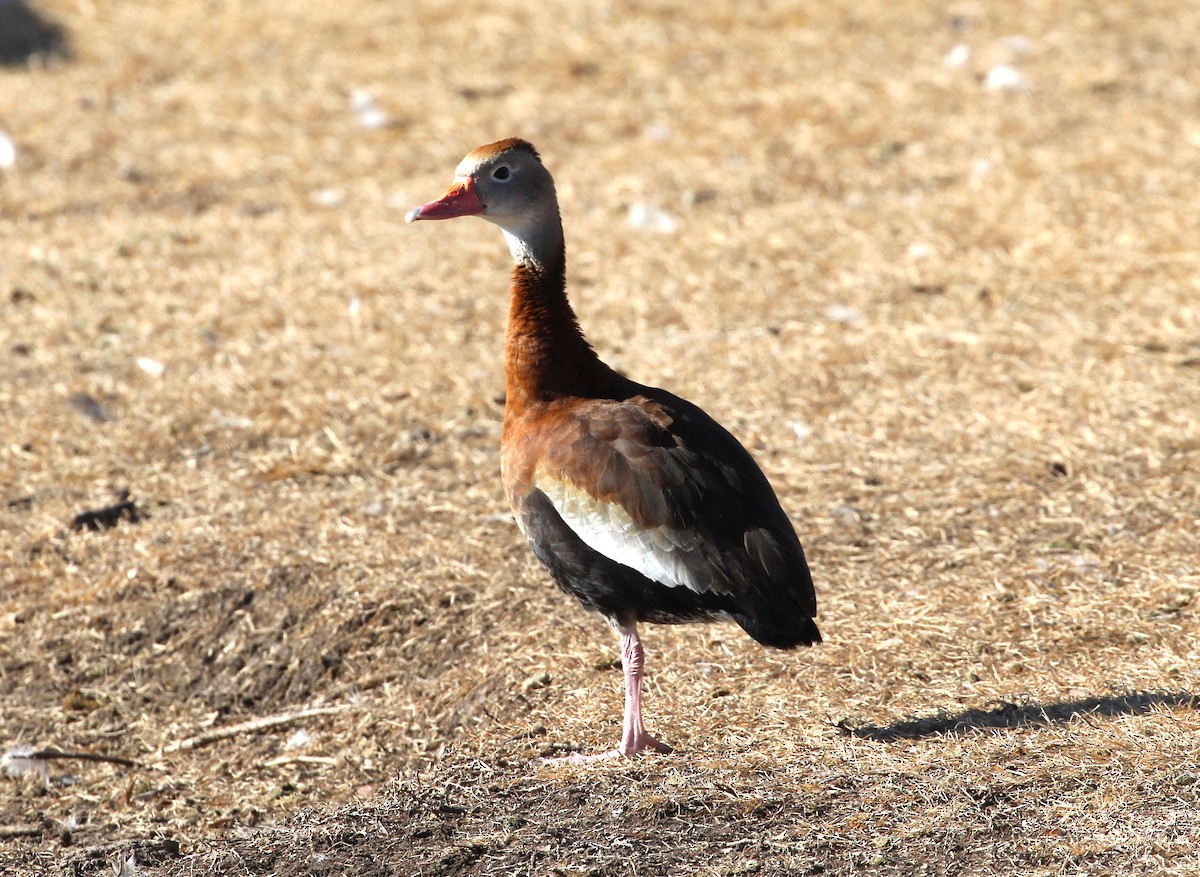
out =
column 657, row 552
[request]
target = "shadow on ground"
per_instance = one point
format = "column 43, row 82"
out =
column 1012, row 715
column 471, row 818
column 25, row 34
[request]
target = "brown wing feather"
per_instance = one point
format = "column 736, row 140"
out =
column 670, row 466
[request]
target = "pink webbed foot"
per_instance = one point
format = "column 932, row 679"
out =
column 634, row 737
column 640, row 743
column 645, row 743
column 581, row 757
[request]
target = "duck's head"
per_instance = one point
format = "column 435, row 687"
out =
column 506, row 184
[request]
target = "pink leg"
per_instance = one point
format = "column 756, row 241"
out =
column 634, row 738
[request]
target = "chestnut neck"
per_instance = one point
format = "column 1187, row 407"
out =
column 546, row 354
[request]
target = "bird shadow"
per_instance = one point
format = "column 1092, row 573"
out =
column 26, row 34
column 1008, row 716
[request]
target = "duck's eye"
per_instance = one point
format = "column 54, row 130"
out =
column 501, row 173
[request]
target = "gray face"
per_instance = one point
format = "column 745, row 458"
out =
column 518, row 195
column 515, row 189
column 506, row 184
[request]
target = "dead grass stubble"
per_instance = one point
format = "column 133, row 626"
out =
column 959, row 328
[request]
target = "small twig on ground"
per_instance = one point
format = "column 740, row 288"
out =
column 50, row 754
column 22, row 760
column 10, row 831
column 301, row 759
column 223, row 733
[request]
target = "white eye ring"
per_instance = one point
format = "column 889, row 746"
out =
column 502, row 174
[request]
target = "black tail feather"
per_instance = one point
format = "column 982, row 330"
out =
column 801, row 633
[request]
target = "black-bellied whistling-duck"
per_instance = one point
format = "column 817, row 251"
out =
column 639, row 504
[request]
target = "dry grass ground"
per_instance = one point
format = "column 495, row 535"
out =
column 959, row 325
